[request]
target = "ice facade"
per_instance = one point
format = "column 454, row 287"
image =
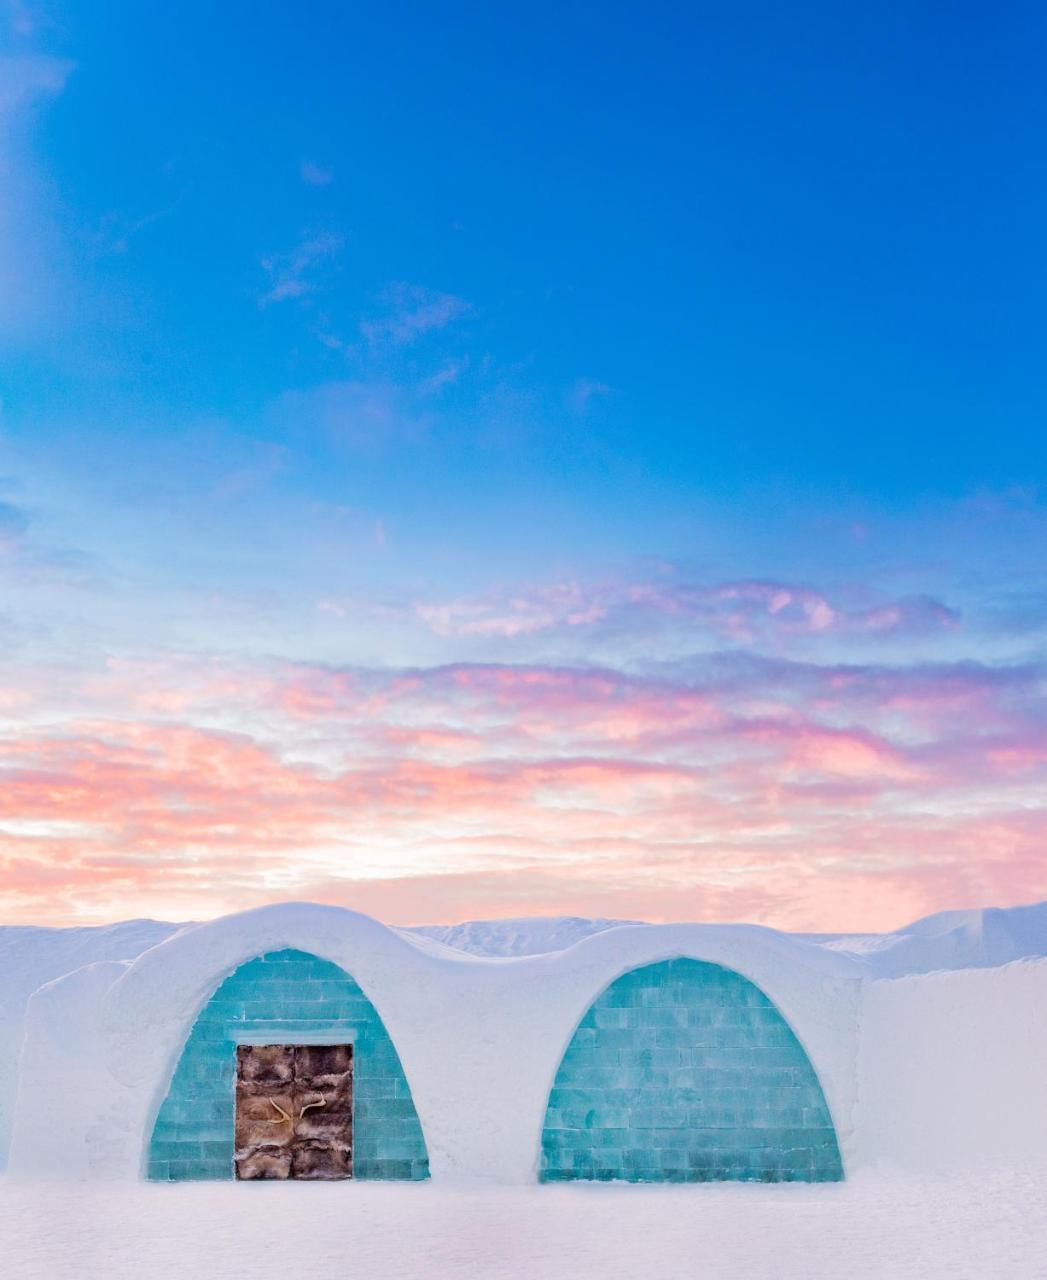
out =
column 703, row 1052
column 285, row 997
column 684, row 1071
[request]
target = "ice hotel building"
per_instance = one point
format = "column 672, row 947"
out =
column 307, row 1042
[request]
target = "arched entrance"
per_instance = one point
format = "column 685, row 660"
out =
column 321, row 1037
column 684, row 1071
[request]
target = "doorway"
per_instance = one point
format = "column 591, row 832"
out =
column 294, row 1112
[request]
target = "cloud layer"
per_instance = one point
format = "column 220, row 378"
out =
column 807, row 796
column 743, row 611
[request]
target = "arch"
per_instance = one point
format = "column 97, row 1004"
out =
column 292, row 997
column 684, row 1071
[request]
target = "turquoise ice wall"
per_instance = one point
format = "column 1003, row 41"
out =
column 292, row 997
column 684, row 1071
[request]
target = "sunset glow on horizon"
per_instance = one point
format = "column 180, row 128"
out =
column 447, row 492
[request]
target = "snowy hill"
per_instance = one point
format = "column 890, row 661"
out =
column 976, row 939
column 524, row 936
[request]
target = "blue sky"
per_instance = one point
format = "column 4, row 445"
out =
column 401, row 337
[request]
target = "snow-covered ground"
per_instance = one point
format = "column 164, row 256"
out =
column 875, row 1227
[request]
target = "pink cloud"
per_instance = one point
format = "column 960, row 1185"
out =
column 742, row 612
column 791, row 794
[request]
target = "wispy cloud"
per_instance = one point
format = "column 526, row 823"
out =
column 354, row 413
column 115, row 232
column 446, row 376
column 26, row 76
column 585, row 392
column 315, row 175
column 14, row 524
column 22, row 19
column 410, row 311
column 30, row 259
column 745, row 611
column 28, row 560
column 296, row 274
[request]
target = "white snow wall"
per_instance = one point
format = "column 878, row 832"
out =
column 953, row 1069
column 30, row 957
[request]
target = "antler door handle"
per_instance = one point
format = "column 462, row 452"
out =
column 283, row 1114
column 320, row 1102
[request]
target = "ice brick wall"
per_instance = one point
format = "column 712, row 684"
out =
column 684, row 1071
column 292, row 997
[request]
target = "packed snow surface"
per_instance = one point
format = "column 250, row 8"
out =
column 875, row 1227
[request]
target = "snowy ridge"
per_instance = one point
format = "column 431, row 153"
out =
column 522, row 936
column 974, row 939
column 977, row 939
column 971, row 939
